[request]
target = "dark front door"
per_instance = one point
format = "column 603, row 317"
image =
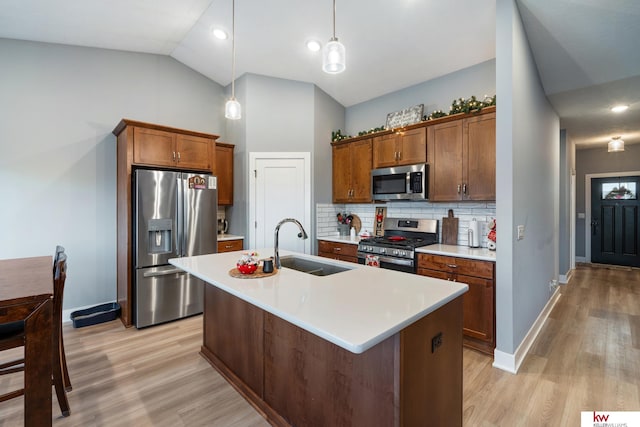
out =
column 615, row 223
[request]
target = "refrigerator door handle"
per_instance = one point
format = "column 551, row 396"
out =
column 165, row 272
column 180, row 218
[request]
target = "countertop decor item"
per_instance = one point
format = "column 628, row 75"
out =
column 248, row 264
column 258, row 274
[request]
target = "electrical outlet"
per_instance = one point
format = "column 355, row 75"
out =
column 553, row 284
column 520, row 232
column 436, row 342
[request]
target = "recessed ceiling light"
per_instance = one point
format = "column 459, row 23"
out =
column 220, row 34
column 313, row 45
column 619, row 108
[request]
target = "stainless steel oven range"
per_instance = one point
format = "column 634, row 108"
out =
column 396, row 249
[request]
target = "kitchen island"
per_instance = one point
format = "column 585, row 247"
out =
column 365, row 346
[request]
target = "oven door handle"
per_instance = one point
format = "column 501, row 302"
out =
column 396, row 261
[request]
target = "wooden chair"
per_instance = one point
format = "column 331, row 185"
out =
column 12, row 336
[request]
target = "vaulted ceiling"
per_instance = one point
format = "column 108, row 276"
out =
column 584, row 49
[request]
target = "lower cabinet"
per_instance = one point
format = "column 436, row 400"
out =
column 479, row 325
column 335, row 250
column 230, row 245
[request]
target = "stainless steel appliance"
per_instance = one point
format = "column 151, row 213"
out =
column 174, row 216
column 400, row 183
column 396, row 249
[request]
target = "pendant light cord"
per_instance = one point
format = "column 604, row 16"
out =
column 233, row 49
column 334, row 19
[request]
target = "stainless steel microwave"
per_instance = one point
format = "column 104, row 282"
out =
column 400, row 183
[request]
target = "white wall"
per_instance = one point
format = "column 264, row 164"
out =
column 527, row 133
column 280, row 116
column 58, row 168
column 435, row 94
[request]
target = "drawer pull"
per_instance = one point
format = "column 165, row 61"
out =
column 452, row 266
column 228, row 246
column 337, row 249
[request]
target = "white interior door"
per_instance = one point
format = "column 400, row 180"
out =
column 280, row 188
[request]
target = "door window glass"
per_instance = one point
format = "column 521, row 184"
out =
column 619, row 190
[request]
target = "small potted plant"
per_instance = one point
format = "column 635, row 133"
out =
column 248, row 264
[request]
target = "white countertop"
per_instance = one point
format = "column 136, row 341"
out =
column 341, row 239
column 483, row 254
column 355, row 309
column 225, row 236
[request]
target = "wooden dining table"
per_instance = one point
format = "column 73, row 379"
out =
column 26, row 293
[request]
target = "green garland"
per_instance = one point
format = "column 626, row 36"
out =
column 459, row 105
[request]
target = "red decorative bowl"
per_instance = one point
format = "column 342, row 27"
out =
column 247, row 268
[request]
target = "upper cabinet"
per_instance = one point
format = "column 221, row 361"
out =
column 462, row 158
column 224, row 172
column 400, row 148
column 161, row 146
column 352, row 171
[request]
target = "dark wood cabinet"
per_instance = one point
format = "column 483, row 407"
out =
column 478, row 303
column 400, row 148
column 462, row 158
column 295, row 378
column 352, row 171
column 154, row 147
column 149, row 145
column 337, row 250
column 230, row 245
column 224, row 172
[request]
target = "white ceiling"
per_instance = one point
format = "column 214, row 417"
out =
column 584, row 48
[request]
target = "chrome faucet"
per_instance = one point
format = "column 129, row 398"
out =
column 302, row 234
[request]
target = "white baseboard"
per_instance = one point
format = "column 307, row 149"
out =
column 581, row 259
column 511, row 362
column 564, row 278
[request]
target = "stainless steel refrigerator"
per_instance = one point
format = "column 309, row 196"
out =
column 174, row 216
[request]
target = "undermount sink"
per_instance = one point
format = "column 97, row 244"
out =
column 305, row 265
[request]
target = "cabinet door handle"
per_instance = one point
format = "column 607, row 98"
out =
column 399, row 155
column 174, row 156
column 464, row 187
column 458, row 188
column 178, row 156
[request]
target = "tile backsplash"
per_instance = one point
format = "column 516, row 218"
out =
column 327, row 224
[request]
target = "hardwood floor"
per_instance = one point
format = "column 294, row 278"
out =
column 587, row 357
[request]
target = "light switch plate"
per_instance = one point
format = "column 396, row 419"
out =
column 520, row 232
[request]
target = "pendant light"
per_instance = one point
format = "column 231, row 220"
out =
column 616, row 144
column 232, row 109
column 333, row 53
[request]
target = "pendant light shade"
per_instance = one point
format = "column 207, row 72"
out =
column 232, row 109
column 615, row 145
column 333, row 57
column 333, row 53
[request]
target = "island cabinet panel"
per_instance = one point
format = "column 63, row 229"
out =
column 479, row 301
column 312, row 382
column 336, row 250
column 295, row 378
column 233, row 333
